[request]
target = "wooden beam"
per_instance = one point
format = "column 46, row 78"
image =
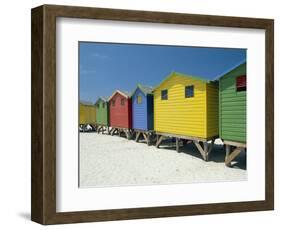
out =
column 201, row 150
column 144, row 136
column 209, row 149
column 177, row 145
column 148, row 138
column 186, row 137
column 237, row 144
column 232, row 155
column 159, row 141
column 227, row 152
column 137, row 136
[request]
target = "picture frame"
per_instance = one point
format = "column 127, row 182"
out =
column 43, row 159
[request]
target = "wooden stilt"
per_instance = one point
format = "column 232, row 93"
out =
column 148, row 139
column 137, row 136
column 205, row 146
column 177, row 145
column 144, row 136
column 227, row 152
column 201, row 150
column 159, row 141
column 232, row 155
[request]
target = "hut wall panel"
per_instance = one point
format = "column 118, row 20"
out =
column 212, row 110
column 232, row 107
column 120, row 116
column 150, row 112
column 87, row 114
column 139, row 111
column 180, row 115
column 82, row 114
column 102, row 113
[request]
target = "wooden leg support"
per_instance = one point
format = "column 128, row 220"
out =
column 159, row 140
column 177, row 145
column 145, row 137
column 137, row 136
column 230, row 156
column 205, row 151
column 201, row 150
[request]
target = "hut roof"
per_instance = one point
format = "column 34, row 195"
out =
column 182, row 75
column 104, row 99
column 86, row 102
column 145, row 89
column 230, row 69
column 123, row 93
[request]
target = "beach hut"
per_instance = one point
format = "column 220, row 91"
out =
column 102, row 117
column 232, row 111
column 186, row 108
column 87, row 115
column 120, row 113
column 142, row 112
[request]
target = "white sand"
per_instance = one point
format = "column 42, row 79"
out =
column 115, row 161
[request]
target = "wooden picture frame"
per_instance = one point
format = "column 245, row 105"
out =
column 43, row 188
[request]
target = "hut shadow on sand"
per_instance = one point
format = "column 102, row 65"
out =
column 217, row 154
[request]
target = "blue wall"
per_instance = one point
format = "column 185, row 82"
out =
column 139, row 111
column 142, row 113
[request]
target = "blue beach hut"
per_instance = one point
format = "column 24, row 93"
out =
column 142, row 112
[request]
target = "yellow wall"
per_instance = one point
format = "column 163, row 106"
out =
column 87, row 114
column 195, row 117
column 180, row 115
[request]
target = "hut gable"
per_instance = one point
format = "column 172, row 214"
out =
column 183, row 100
column 120, row 109
column 142, row 108
column 232, row 106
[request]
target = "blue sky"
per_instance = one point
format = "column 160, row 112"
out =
column 105, row 67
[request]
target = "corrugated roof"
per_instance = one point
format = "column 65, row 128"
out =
column 230, row 69
column 182, row 75
column 145, row 89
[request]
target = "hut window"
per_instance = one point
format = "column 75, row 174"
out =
column 103, row 104
column 164, row 94
column 98, row 105
column 189, row 91
column 241, row 83
column 122, row 101
column 139, row 99
column 113, row 102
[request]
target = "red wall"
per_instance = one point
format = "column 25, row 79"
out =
column 120, row 115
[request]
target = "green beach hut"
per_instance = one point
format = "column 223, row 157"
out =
column 102, row 114
column 233, row 110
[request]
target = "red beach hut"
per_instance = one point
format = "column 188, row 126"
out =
column 120, row 113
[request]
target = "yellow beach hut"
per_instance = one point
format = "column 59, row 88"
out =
column 87, row 115
column 186, row 108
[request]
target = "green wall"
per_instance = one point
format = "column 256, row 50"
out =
column 102, row 113
column 232, row 107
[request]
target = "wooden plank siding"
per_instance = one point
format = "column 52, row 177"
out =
column 185, row 116
column 212, row 98
column 232, row 107
column 102, row 111
column 139, row 111
column 142, row 113
column 120, row 115
column 87, row 114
